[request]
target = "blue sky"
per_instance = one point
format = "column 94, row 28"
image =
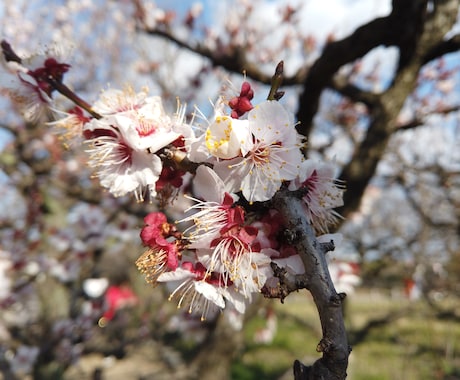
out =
column 319, row 17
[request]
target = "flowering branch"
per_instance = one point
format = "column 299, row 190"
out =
column 68, row 93
column 248, row 155
column 44, row 79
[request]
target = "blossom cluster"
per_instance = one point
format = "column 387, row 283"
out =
column 219, row 254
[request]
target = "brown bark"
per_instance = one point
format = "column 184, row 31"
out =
column 334, row 344
column 419, row 36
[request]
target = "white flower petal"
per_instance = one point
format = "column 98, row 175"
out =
column 225, row 136
column 178, row 275
column 292, row 263
column 210, row 292
column 208, row 185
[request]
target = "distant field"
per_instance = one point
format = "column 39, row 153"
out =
column 394, row 339
column 404, row 340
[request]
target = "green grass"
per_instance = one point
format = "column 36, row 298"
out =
column 416, row 344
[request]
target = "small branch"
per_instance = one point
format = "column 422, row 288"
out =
column 288, row 283
column 342, row 86
column 54, row 80
column 358, row 336
column 420, row 120
column 277, row 79
column 232, row 58
column 68, row 93
column 10, row 128
column 334, row 344
column 449, row 46
column 179, row 159
column 328, row 247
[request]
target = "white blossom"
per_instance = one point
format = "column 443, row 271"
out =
column 270, row 157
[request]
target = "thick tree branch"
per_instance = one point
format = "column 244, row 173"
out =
column 361, row 168
column 381, row 31
column 444, row 47
column 334, row 345
column 342, row 86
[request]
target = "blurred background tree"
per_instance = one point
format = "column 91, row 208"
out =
column 375, row 86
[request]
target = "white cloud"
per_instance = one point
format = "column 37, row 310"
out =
column 341, row 17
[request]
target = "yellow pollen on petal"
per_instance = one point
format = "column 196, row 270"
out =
column 211, row 142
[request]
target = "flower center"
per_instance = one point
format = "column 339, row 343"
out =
column 123, row 154
column 145, row 127
column 261, row 155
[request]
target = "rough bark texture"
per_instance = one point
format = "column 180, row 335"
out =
column 334, row 344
